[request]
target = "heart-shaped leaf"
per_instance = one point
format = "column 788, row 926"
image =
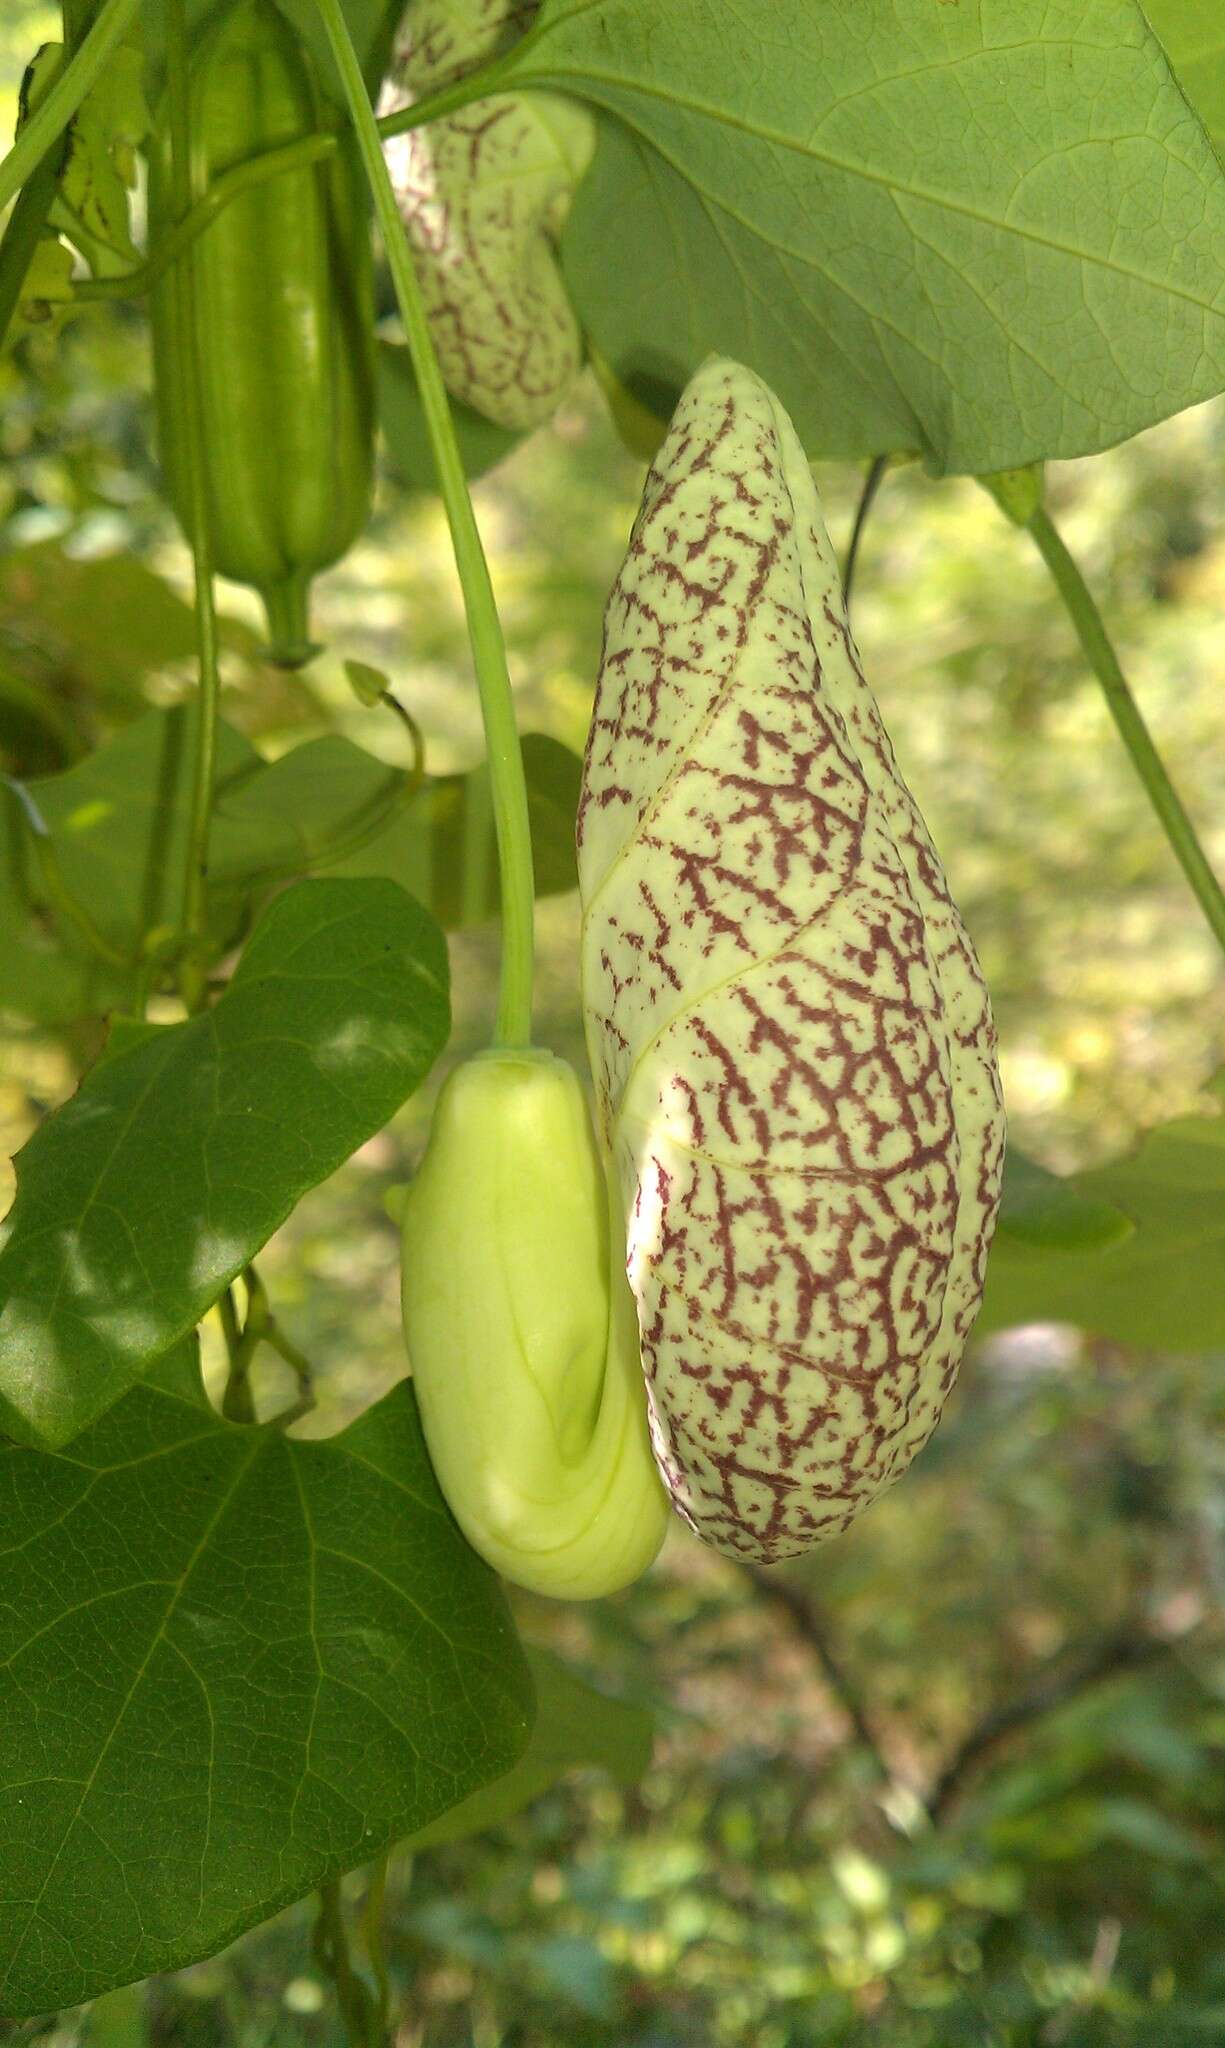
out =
column 986, row 233
column 118, row 821
column 442, row 844
column 231, row 1666
column 576, row 1727
column 141, row 1198
column 1158, row 1284
column 1038, row 1208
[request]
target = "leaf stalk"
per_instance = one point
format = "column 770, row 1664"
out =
column 1099, row 651
column 514, row 1015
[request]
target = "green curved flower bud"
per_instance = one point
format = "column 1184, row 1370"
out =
column 522, row 1335
column 483, row 194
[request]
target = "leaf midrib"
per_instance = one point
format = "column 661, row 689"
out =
column 241, row 1471
column 723, row 117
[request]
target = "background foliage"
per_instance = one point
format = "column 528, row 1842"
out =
column 1024, row 1638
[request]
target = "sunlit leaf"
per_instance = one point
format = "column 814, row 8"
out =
column 141, row 1198
column 231, row 1665
column 985, row 232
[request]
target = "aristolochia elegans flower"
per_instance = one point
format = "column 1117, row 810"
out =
column 483, row 194
column 790, row 1035
column 799, row 1126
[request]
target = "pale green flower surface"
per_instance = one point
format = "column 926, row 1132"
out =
column 791, row 1038
column 483, row 194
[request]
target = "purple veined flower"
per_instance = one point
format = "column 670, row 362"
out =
column 483, row 194
column 790, row 1035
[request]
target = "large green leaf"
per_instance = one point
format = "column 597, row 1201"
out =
column 231, row 1665
column 1039, row 1209
column 302, row 810
column 141, row 1198
column 1158, row 1286
column 442, row 845
column 986, row 232
column 1192, row 33
column 119, row 820
column 482, row 444
column 576, row 1728
column 106, row 621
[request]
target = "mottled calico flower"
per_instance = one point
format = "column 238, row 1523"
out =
column 791, row 1040
column 483, row 195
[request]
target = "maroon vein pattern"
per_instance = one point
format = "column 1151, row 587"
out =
column 482, row 195
column 791, row 1040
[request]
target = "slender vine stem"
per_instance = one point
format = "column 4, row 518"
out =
column 49, row 121
column 331, row 1946
column 871, row 485
column 23, row 229
column 209, row 694
column 237, row 1403
column 451, row 99
column 257, row 170
column 1127, row 716
column 484, row 627
column 242, row 1341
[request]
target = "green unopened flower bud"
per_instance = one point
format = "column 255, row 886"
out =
column 522, row 1333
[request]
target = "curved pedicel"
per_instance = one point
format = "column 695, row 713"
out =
column 483, row 195
column 791, row 1040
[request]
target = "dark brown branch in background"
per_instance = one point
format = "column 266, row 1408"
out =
column 810, row 1623
column 1069, row 1673
column 1061, row 1680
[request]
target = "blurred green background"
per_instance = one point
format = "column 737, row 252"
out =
column 961, row 1777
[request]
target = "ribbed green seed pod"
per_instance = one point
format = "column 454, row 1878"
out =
column 284, row 325
column 522, row 1335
